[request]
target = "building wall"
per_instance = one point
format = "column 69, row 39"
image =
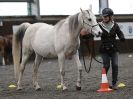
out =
column 8, row 22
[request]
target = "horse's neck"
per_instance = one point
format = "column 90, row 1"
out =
column 74, row 34
column 74, row 39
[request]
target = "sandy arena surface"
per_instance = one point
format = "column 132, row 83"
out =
column 49, row 78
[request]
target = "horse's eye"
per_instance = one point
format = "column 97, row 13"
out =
column 89, row 19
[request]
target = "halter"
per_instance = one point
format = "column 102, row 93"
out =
column 89, row 24
column 93, row 48
column 92, row 26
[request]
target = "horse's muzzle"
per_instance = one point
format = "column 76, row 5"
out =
column 99, row 34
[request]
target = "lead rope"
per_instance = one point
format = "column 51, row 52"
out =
column 87, row 70
column 93, row 53
column 92, row 56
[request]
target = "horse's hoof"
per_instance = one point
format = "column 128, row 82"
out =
column 19, row 88
column 64, row 88
column 38, row 89
column 78, row 88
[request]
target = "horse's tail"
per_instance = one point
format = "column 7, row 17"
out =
column 16, row 46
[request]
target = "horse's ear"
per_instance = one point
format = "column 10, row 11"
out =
column 90, row 7
column 82, row 11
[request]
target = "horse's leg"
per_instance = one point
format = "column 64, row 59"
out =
column 3, row 61
column 37, row 62
column 61, row 60
column 25, row 57
column 79, row 66
column 7, row 56
column 3, row 56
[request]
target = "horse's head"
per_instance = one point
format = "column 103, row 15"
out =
column 89, row 22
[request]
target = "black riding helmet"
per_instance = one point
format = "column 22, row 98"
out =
column 107, row 12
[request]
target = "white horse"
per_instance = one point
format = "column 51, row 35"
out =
column 60, row 40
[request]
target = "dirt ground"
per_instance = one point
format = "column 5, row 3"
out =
column 49, row 78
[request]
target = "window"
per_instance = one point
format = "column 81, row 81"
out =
column 13, row 8
column 121, row 6
column 67, row 7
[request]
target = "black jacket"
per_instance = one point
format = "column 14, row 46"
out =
column 108, row 39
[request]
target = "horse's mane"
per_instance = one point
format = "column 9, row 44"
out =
column 73, row 23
